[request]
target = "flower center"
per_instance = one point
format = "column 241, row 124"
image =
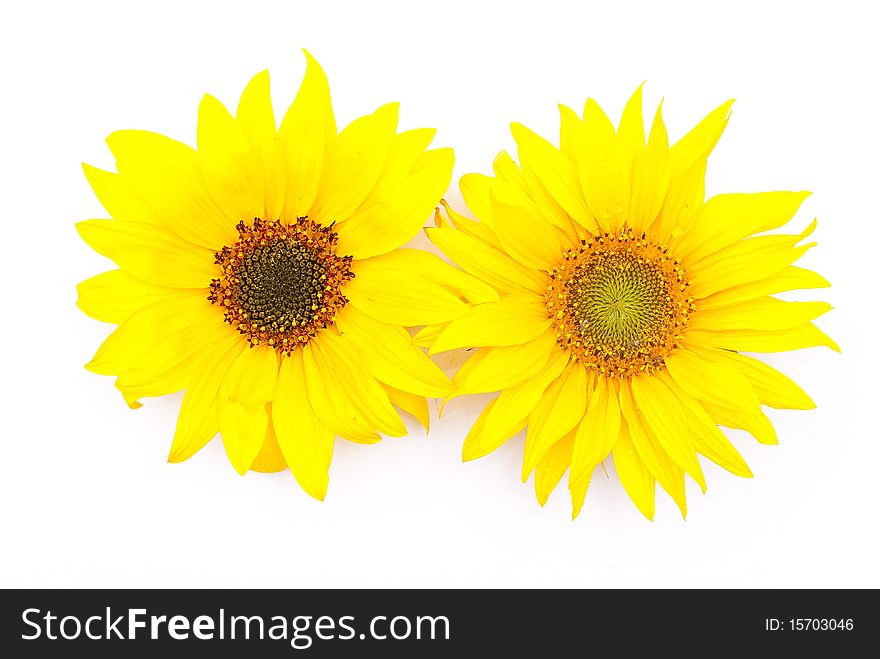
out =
column 281, row 282
column 619, row 303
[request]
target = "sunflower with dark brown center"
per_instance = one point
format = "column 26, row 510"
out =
column 262, row 275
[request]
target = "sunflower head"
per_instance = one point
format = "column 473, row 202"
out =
column 261, row 273
column 618, row 303
column 626, row 303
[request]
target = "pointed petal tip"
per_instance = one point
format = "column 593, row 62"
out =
column 309, row 57
column 318, row 494
column 175, row 457
column 468, row 455
column 259, row 76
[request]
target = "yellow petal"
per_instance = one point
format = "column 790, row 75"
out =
column 635, row 477
column 711, row 381
column 257, row 121
column 473, row 228
column 773, row 388
column 726, row 218
column 707, row 437
column 598, row 431
column 409, row 301
column 384, row 225
column 475, row 190
column 198, row 420
column 119, row 197
column 232, row 169
column 552, row 467
column 699, row 142
column 746, row 262
column 413, row 404
column 549, row 207
column 395, row 211
column 504, row 366
column 554, row 170
column 471, row 449
column 631, row 132
column 168, row 175
column 150, row 253
column 270, row 459
column 578, row 492
column 560, row 409
column 114, row 295
column 653, row 456
column 353, row 164
column 603, row 173
column 526, row 236
column 150, row 326
column 511, row 186
column 513, row 320
column 244, row 394
column 506, row 415
column 348, row 379
column 650, row 178
column 663, row 415
column 758, row 425
column 305, row 133
column 487, row 263
column 789, row 278
column 173, row 362
column 389, row 353
column 749, row 340
column 333, row 411
column 763, row 313
column 406, row 263
column 681, row 208
column 408, row 155
column 307, row 445
column 571, row 141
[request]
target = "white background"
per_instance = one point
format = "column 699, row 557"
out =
column 86, row 496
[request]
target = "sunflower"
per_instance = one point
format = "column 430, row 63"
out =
column 626, row 304
column 261, row 274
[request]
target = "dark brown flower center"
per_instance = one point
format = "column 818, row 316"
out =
column 281, row 283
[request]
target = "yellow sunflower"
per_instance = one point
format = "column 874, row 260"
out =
column 261, row 274
column 627, row 302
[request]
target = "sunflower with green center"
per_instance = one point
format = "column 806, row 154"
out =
column 626, row 304
column 261, row 273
